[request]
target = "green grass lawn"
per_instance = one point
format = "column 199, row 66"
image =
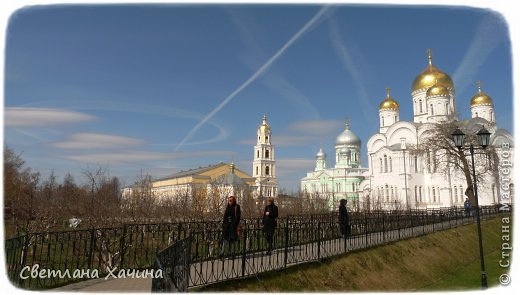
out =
column 468, row 276
column 447, row 260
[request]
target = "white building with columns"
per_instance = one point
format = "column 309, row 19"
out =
column 341, row 181
column 398, row 177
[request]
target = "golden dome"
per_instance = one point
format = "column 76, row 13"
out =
column 388, row 103
column 437, row 90
column 481, row 98
column 264, row 127
column 430, row 76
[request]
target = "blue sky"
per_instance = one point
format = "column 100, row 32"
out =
column 164, row 88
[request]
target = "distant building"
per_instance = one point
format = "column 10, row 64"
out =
column 217, row 182
column 344, row 179
column 264, row 165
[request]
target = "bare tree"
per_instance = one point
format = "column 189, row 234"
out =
column 441, row 155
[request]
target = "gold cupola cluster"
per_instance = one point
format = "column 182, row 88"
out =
column 431, row 76
column 481, row 99
column 388, row 103
column 437, row 90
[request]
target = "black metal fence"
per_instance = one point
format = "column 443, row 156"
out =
column 134, row 246
column 174, row 264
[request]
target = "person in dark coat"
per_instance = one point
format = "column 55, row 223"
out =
column 269, row 222
column 230, row 223
column 467, row 207
column 344, row 226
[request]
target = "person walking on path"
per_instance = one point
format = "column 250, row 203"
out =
column 269, row 222
column 344, row 226
column 467, row 207
column 230, row 225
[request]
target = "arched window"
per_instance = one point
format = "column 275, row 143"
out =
column 476, row 114
column 266, row 138
column 257, row 154
column 447, row 109
column 416, row 164
column 267, row 154
column 395, row 118
column 420, row 106
column 266, row 170
column 490, row 115
column 387, row 193
column 256, row 170
column 420, row 193
column 433, row 192
column 382, row 121
column 386, row 164
column 415, row 194
column 431, row 109
column 390, row 164
column 380, row 165
column 353, row 187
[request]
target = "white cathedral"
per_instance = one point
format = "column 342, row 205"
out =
column 395, row 176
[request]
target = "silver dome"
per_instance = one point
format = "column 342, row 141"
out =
column 348, row 137
column 321, row 154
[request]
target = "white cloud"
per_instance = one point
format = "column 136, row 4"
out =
column 304, row 132
column 140, row 156
column 317, row 127
column 39, row 117
column 96, row 141
column 290, row 166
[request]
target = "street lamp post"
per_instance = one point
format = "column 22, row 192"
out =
column 483, row 137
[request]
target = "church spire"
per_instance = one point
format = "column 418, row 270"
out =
column 429, row 51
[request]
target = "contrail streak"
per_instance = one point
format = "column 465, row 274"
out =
column 251, row 79
column 489, row 34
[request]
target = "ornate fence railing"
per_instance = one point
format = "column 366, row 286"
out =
column 174, row 265
column 134, row 246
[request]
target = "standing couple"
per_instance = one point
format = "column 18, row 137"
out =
column 231, row 224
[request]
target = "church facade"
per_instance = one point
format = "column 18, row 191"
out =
column 344, row 179
column 400, row 177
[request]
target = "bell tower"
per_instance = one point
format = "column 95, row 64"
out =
column 264, row 168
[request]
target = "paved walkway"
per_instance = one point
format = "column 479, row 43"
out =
column 109, row 285
column 206, row 272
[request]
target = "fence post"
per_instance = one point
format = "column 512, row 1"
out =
column 366, row 230
column 398, row 228
column 286, row 241
column 91, row 248
column 122, row 248
column 384, row 232
column 319, row 238
column 348, row 231
column 25, row 249
column 244, row 244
